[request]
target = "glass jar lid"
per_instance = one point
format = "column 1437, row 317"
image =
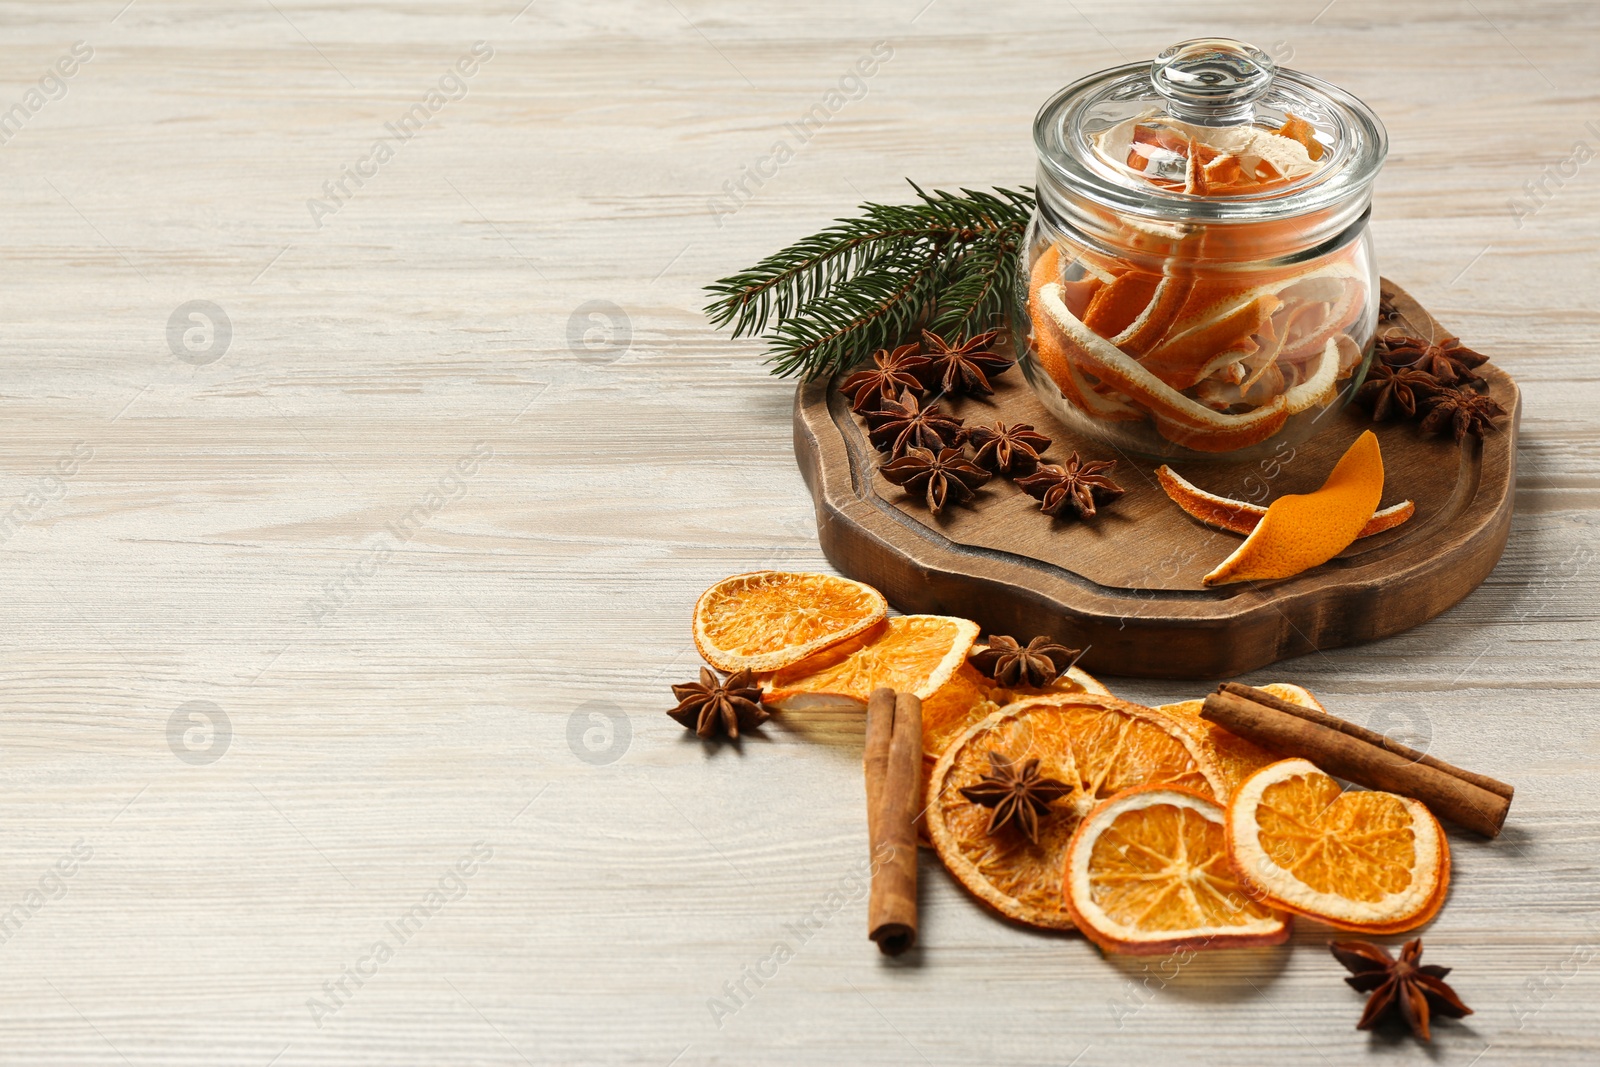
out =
column 1211, row 129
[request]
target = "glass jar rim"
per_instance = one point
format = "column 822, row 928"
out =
column 1069, row 164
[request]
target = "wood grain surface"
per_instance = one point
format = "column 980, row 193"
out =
column 427, row 524
column 1126, row 586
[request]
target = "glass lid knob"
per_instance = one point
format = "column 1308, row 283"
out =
column 1212, row 81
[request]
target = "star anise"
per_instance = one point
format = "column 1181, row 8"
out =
column 1013, row 449
column 905, row 423
column 1387, row 312
column 963, row 369
column 1388, row 389
column 893, row 374
column 1017, row 794
column 1011, row 664
column 940, row 477
column 715, row 703
column 1405, row 987
column 1076, row 485
column 1449, row 361
column 1463, row 412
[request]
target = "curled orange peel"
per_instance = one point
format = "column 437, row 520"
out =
column 1052, row 349
column 1241, row 516
column 1188, row 352
column 1298, row 129
column 1301, row 531
column 1180, row 418
column 1118, row 370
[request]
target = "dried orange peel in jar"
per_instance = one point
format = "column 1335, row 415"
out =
column 1200, row 271
column 1211, row 160
column 1198, row 350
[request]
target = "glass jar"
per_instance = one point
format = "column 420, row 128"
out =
column 1198, row 277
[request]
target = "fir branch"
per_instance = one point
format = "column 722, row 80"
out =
column 829, row 301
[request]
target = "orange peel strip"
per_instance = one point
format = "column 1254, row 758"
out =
column 1241, row 517
column 1152, row 324
column 1298, row 129
column 1214, row 304
column 1118, row 303
column 1052, row 349
column 1319, row 388
column 1301, row 531
column 1190, row 356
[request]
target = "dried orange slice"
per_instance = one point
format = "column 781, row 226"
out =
column 1301, row 531
column 909, row 654
column 1240, row 517
column 969, row 697
column 1097, row 745
column 1357, row 860
column 1235, row 757
column 1148, row 872
column 769, row 619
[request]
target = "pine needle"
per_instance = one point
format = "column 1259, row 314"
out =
column 827, row 302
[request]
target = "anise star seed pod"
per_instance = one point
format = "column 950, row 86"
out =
column 1387, row 312
column 892, row 375
column 1449, row 361
column 1405, row 987
column 715, row 703
column 1013, row 449
column 1075, row 485
column 963, row 369
column 904, row 423
column 1012, row 665
column 1388, row 389
column 1017, row 794
column 1463, row 412
column 939, row 477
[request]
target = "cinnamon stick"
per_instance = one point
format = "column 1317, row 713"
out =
column 1372, row 737
column 1359, row 755
column 893, row 764
column 875, row 761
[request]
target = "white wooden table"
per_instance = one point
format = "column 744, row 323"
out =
column 352, row 625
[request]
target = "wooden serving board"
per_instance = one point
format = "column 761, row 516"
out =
column 1125, row 585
